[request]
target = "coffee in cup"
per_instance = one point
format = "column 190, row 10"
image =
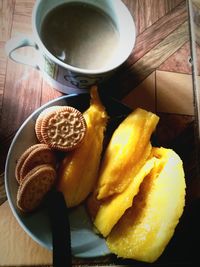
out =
column 80, row 35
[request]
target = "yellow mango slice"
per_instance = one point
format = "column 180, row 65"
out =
column 93, row 204
column 145, row 229
column 79, row 169
column 124, row 151
column 112, row 209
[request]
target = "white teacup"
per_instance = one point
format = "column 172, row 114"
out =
column 65, row 76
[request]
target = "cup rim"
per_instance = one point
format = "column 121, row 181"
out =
column 77, row 69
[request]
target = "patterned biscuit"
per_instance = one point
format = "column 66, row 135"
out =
column 35, row 186
column 39, row 119
column 64, row 128
column 22, row 159
column 42, row 154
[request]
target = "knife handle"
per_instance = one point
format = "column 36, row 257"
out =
column 60, row 230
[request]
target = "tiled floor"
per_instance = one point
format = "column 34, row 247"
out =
column 7, row 240
column 143, row 95
column 163, row 91
column 174, row 93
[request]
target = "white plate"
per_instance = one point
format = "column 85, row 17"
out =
column 85, row 243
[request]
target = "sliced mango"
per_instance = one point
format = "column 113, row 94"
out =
column 124, row 151
column 112, row 209
column 79, row 169
column 145, row 229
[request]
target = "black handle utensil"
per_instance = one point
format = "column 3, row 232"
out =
column 58, row 213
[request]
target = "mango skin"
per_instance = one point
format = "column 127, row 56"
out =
column 145, row 229
column 79, row 169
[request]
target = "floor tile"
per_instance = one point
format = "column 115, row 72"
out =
column 24, row 7
column 137, row 72
column 6, row 13
column 174, row 93
column 179, row 61
column 143, row 95
column 26, row 251
column 21, row 25
column 3, row 58
column 158, row 31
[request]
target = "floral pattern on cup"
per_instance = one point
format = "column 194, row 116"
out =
column 81, row 81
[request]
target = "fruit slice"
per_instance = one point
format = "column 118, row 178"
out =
column 111, row 210
column 124, row 151
column 78, row 171
column 146, row 228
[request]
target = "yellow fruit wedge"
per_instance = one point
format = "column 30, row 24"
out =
column 79, row 169
column 145, row 229
column 124, row 151
column 112, row 209
column 93, row 204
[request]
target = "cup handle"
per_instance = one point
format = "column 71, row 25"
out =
column 18, row 42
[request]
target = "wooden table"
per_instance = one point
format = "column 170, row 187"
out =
column 157, row 76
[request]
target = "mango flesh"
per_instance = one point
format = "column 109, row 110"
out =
column 111, row 210
column 124, row 151
column 79, row 169
column 94, row 205
column 145, row 229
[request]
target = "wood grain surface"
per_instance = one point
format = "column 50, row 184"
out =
column 157, row 76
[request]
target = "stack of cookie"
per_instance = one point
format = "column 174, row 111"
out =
column 36, row 174
column 57, row 128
